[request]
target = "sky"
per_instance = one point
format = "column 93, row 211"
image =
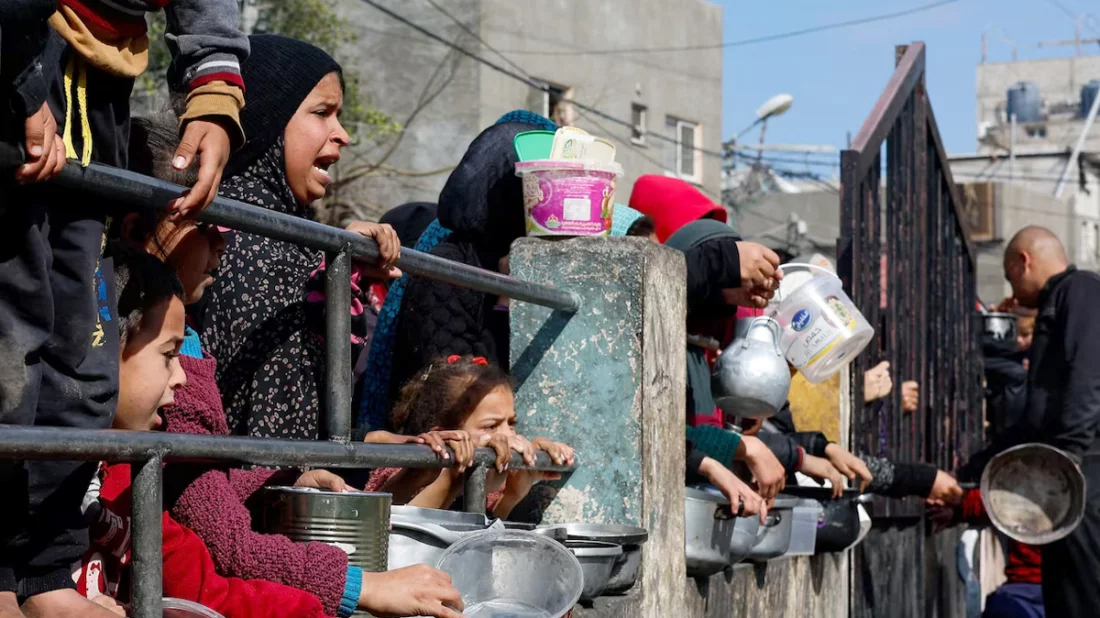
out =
column 835, row 77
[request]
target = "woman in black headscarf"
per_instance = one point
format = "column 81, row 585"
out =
column 482, row 205
column 257, row 321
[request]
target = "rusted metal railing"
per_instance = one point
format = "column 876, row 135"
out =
column 907, row 261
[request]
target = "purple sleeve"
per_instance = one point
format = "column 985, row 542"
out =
column 213, row 507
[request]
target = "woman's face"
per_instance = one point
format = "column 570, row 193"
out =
column 193, row 250
column 495, row 414
column 313, row 139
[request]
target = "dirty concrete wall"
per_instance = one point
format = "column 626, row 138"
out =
column 610, row 381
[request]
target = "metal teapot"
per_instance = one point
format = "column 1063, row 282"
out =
column 751, row 378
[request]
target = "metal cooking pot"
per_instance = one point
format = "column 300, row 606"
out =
column 625, row 573
column 419, row 535
column 751, row 378
column 839, row 526
column 746, row 531
column 357, row 522
column 631, row 538
column 775, row 535
column 1000, row 326
column 1034, row 493
column 708, row 528
column 597, row 560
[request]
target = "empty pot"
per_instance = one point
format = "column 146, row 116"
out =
column 775, row 535
column 708, row 528
column 1034, row 493
column 751, row 379
column 597, row 561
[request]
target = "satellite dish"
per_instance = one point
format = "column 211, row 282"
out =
column 775, row 106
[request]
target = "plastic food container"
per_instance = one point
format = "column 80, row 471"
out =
column 568, row 198
column 823, row 330
column 178, row 608
column 513, row 573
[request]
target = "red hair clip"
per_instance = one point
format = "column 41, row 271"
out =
column 480, row 360
column 452, row 359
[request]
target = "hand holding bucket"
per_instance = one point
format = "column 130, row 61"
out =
column 823, row 330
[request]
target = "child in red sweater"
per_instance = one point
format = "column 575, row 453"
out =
column 151, row 329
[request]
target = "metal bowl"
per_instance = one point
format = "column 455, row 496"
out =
column 625, row 573
column 452, row 520
column 1034, row 493
column 607, row 533
column 597, row 560
column 1000, row 326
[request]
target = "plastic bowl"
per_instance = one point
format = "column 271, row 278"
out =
column 568, row 198
column 178, row 608
column 513, row 573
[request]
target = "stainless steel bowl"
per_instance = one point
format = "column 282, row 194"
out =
column 597, row 561
column 420, row 536
column 625, row 573
column 1000, row 326
column 1034, row 493
column 607, row 533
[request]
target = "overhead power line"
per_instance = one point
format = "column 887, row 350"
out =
column 742, row 42
column 526, row 80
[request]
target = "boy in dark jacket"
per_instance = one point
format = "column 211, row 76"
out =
column 69, row 81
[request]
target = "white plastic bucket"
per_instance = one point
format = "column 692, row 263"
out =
column 823, row 330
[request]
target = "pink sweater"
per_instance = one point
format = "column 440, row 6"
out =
column 211, row 502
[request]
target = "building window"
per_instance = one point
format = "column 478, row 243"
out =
column 553, row 101
column 687, row 160
column 638, row 117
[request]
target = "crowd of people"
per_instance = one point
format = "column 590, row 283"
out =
column 152, row 321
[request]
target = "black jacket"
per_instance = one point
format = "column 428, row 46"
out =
column 482, row 205
column 1063, row 386
column 1063, row 383
column 1006, row 385
column 25, row 73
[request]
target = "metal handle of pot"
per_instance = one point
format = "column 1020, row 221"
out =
column 438, row 532
column 773, row 520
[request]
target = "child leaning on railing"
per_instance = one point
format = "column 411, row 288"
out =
column 472, row 400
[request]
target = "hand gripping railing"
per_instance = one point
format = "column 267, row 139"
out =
column 150, row 451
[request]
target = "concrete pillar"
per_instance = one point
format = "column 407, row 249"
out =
column 610, row 381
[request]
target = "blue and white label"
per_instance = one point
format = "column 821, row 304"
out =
column 801, row 320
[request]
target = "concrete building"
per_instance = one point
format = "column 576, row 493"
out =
column 669, row 105
column 1056, row 85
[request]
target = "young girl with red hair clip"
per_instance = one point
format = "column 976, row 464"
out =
column 471, row 399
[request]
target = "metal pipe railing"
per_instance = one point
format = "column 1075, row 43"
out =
column 131, row 191
column 62, row 443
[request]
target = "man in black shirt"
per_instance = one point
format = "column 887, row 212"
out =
column 1063, row 400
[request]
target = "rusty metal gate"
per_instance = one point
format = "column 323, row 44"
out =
column 906, row 259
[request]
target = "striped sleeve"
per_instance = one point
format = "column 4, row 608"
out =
column 206, row 42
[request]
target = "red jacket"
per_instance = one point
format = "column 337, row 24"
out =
column 188, row 570
column 672, row 203
column 1025, row 562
